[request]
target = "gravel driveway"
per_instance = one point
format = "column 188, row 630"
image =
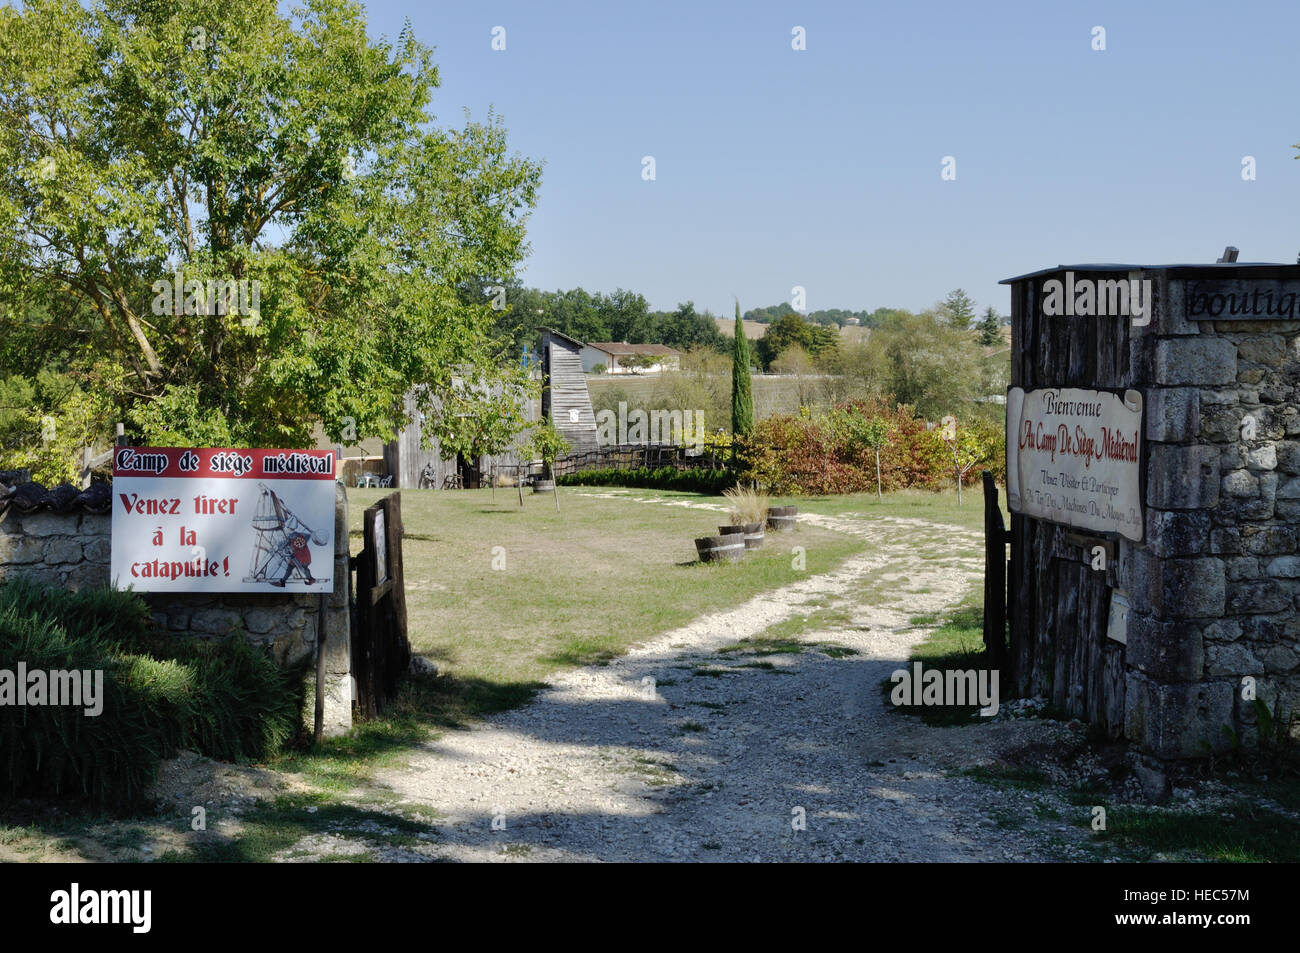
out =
column 680, row 751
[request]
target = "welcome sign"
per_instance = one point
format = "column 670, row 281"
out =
column 1074, row 457
column 222, row 520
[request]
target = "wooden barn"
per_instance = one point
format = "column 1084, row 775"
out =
column 406, row 458
column 565, row 400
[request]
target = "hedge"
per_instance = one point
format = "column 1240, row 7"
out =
column 225, row 698
column 661, row 478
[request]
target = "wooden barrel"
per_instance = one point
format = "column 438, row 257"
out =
column 753, row 533
column 781, row 519
column 730, row 546
column 544, row 486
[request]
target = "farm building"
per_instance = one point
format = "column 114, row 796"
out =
column 565, row 400
column 623, row 358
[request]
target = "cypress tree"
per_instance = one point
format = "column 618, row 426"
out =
column 742, row 391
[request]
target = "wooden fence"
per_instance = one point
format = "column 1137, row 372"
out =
column 638, row 456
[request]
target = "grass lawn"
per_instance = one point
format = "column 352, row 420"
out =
column 940, row 507
column 579, row 586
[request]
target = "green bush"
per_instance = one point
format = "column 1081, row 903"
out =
column 56, row 750
column 111, row 614
column 829, row 452
column 245, row 706
column 225, row 698
column 661, row 478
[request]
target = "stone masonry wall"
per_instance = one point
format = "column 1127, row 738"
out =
column 1216, row 581
column 74, row 549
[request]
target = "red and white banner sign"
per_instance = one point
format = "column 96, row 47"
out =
column 223, row 520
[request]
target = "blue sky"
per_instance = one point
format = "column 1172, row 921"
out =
column 821, row 168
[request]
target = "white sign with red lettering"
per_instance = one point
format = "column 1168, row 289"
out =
column 1074, row 457
column 223, row 520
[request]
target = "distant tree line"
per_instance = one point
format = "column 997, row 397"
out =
column 595, row 316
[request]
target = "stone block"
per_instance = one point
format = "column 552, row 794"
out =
column 1173, row 414
column 61, row 550
column 1241, row 484
column 1181, row 720
column 1182, row 478
column 1262, row 458
column 1268, row 540
column 1177, row 532
column 1179, row 588
column 1257, row 598
column 1284, row 567
column 1233, row 659
column 1288, row 456
column 45, row 523
column 1168, row 651
column 98, row 549
column 1197, row 361
column 21, row 550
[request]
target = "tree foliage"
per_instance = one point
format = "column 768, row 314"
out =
column 217, row 140
column 742, row 393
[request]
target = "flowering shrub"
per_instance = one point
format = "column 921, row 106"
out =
column 835, row 452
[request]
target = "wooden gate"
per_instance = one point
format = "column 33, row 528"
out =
column 996, row 610
column 1057, row 606
column 381, row 652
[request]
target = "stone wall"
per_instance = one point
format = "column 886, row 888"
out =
column 1215, row 583
column 73, row 549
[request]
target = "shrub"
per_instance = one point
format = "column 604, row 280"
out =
column 226, row 698
column 712, row 482
column 109, row 759
column 833, row 452
column 748, row 505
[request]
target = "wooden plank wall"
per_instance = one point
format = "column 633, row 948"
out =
column 405, row 457
column 566, row 391
column 1059, row 605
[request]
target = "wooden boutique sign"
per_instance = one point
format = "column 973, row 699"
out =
column 1241, row 299
column 1074, row 457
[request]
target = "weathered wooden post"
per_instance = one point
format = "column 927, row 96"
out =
column 995, row 577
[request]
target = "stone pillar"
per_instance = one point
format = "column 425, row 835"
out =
column 1216, row 579
column 338, row 635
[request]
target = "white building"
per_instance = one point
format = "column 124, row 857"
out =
column 623, row 358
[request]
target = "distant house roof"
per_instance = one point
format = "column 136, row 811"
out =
column 622, row 348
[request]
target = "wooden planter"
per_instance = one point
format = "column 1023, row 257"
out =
column 782, row 519
column 753, row 533
column 728, row 547
column 544, row 486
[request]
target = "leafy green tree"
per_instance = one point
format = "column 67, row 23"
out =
column 875, row 434
column 742, row 394
column 214, row 140
column 792, row 330
column 958, row 309
column 969, row 447
column 479, row 417
column 922, row 361
column 990, row 328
